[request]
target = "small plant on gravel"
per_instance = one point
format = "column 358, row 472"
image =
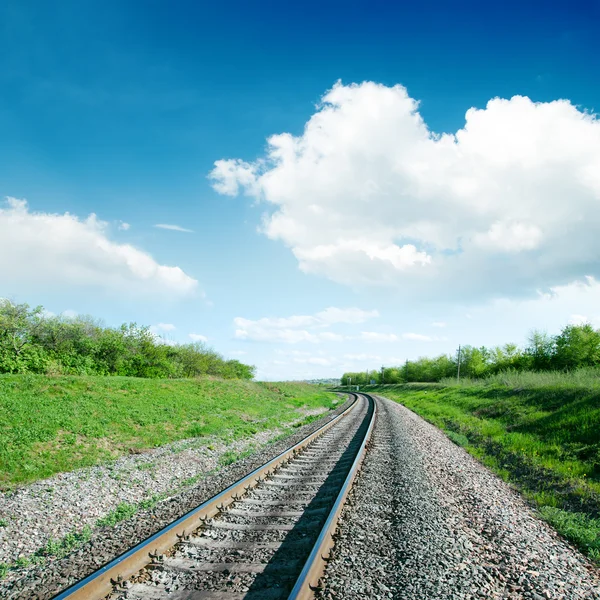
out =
column 123, row 512
column 23, row 561
column 3, row 570
column 64, row 546
column 152, row 501
column 3, row 523
column 146, row 466
column 191, row 480
column 232, row 456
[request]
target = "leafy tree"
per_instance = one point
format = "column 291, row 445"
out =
column 577, row 346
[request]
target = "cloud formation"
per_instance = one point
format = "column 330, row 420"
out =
column 39, row 249
column 369, row 195
column 197, row 337
column 301, row 328
column 173, row 228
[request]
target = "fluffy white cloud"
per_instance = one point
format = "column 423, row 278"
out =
column 439, row 324
column 173, row 228
column 163, row 327
column 369, row 195
column 197, row 337
column 301, row 328
column 124, row 226
column 41, row 249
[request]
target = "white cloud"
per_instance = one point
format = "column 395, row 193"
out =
column 578, row 320
column 124, row 226
column 69, row 313
column 315, row 360
column 505, row 206
column 333, row 315
column 417, row 337
column 440, row 324
column 362, row 357
column 40, row 249
column 375, row 336
column 329, row 336
column 173, row 228
column 163, row 327
column 197, row 337
column 301, row 328
column 237, row 352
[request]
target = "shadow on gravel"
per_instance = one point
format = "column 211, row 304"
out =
column 299, row 542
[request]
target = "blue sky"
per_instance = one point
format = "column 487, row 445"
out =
column 121, row 110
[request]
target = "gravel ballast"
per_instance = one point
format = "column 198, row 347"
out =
column 427, row 521
column 70, row 501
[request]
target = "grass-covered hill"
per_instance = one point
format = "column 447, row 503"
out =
column 540, row 431
column 56, row 424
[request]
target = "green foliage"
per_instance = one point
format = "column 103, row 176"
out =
column 537, row 430
column 578, row 527
column 576, row 346
column 33, row 343
column 123, row 512
column 52, row 549
column 60, row 548
column 458, row 438
column 55, row 424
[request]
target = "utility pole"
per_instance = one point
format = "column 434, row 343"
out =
column 406, row 371
column 349, row 383
column 382, row 375
column 458, row 370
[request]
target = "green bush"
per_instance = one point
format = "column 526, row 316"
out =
column 32, row 342
column 575, row 347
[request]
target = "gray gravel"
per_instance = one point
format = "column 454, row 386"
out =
column 427, row 521
column 79, row 498
column 312, row 477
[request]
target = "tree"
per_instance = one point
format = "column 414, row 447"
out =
column 540, row 350
column 18, row 325
column 577, row 346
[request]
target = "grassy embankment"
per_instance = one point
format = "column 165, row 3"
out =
column 539, row 431
column 56, row 424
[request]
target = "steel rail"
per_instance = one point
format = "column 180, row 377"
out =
column 314, row 568
column 99, row 584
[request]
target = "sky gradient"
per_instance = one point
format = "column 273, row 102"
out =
column 392, row 221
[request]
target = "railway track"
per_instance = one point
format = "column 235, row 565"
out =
column 265, row 537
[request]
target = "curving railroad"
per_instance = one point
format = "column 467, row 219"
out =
column 265, row 537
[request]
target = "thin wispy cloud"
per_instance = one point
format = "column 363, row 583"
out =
column 301, row 328
column 173, row 227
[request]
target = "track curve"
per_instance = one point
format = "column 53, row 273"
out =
column 264, row 537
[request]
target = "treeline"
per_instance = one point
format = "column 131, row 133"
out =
column 32, row 342
column 575, row 346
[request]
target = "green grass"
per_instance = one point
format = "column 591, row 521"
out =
column 538, row 431
column 56, row 424
column 123, row 512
